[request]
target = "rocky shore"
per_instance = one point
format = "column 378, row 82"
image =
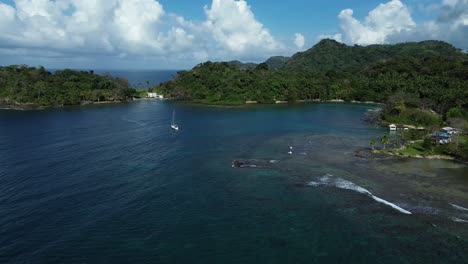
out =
column 29, row 106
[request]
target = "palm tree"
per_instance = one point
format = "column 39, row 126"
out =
column 384, row 141
column 372, row 143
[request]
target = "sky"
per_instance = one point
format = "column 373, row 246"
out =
column 178, row 34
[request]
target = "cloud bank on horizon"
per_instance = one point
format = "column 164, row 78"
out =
column 141, row 33
column 392, row 22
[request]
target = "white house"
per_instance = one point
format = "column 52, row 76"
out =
column 447, row 129
column 155, row 95
column 451, row 131
column 392, row 127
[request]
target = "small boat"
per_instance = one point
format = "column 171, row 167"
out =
column 173, row 125
column 290, row 150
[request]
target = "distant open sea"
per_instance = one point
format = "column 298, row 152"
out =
column 139, row 78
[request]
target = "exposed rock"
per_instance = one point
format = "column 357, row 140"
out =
column 253, row 163
column 367, row 153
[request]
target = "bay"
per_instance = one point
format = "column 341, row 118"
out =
column 106, row 184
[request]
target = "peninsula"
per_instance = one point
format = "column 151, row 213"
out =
column 29, row 87
column 428, row 74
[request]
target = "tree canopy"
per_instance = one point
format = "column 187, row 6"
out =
column 428, row 75
column 36, row 86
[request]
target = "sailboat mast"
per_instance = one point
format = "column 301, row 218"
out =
column 173, row 117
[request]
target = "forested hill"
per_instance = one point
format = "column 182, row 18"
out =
column 431, row 74
column 276, row 62
column 22, row 85
column 330, row 55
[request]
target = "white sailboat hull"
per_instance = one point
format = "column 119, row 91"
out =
column 173, row 125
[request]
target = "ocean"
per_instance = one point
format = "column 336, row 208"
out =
column 137, row 78
column 114, row 184
column 142, row 78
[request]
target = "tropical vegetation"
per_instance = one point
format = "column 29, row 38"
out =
column 423, row 84
column 429, row 75
column 23, row 85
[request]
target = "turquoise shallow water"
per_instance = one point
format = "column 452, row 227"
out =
column 114, row 184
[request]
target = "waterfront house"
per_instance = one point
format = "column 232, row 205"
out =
column 445, row 135
column 155, row 96
column 451, row 131
column 447, row 129
column 441, row 137
column 392, row 127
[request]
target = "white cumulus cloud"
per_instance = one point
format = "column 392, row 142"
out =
column 392, row 22
column 89, row 29
column 235, row 28
column 385, row 20
column 299, row 40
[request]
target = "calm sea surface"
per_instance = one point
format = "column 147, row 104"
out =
column 141, row 78
column 114, row 184
column 138, row 78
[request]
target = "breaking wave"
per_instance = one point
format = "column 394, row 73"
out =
column 459, row 207
column 330, row 180
column 459, row 220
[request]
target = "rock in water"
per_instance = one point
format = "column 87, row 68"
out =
column 253, row 163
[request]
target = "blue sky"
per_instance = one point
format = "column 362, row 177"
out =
column 313, row 17
column 180, row 33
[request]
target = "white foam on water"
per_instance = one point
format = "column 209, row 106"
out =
column 347, row 185
column 330, row 180
column 314, row 184
column 394, row 206
column 459, row 220
column 324, row 180
column 459, row 207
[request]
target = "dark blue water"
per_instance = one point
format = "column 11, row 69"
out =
column 139, row 78
column 142, row 78
column 113, row 184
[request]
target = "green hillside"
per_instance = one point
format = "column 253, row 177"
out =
column 428, row 74
column 330, row 55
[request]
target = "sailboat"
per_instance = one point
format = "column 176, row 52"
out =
column 173, row 125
